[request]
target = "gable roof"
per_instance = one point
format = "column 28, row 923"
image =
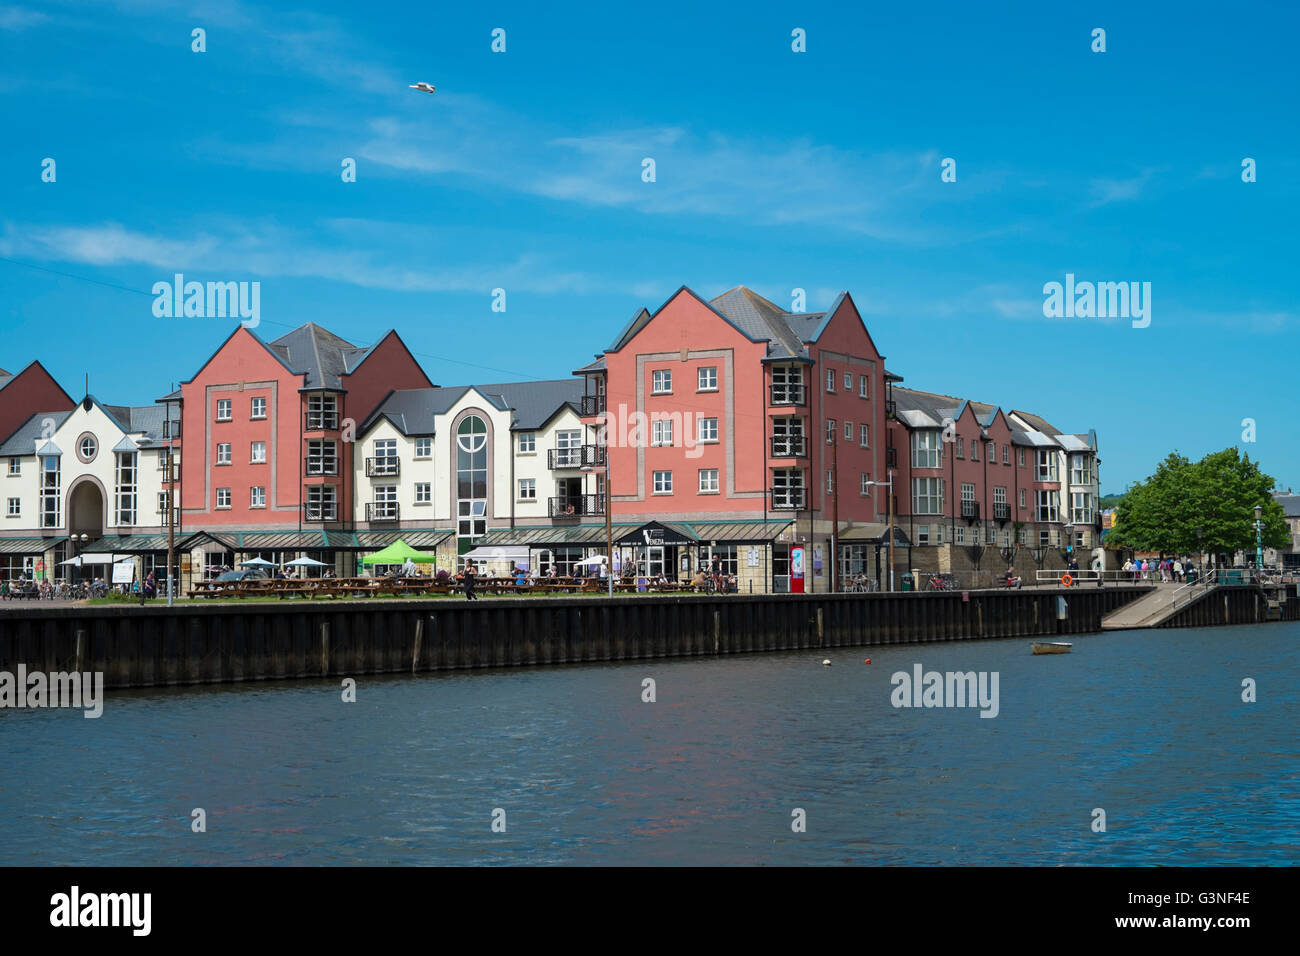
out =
column 319, row 355
column 23, row 440
column 413, row 411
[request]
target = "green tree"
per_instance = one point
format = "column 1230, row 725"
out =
column 1210, row 504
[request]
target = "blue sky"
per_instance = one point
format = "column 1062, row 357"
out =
column 776, row 170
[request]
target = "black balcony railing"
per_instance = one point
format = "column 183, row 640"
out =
column 789, row 446
column 891, row 457
column 382, row 467
column 1002, row 512
column 970, row 510
column 381, row 511
column 578, row 456
column 576, row 506
column 891, row 408
column 322, row 465
column 171, row 429
column 321, row 421
column 788, row 394
column 787, row 499
column 320, row 511
column 592, row 405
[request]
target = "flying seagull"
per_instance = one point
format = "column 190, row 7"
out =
column 423, row 87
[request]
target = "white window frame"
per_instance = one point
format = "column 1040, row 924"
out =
column 709, row 484
column 528, row 443
column 661, row 432
column 424, row 492
column 427, row 444
column 252, row 453
column 527, row 489
column 14, row 508
column 830, row 380
column 253, row 415
column 223, row 493
column 864, row 387
column 706, row 431
column 661, row 381
column 228, row 404
column 662, row 482
column 864, row 436
column 253, row 496
column 707, row 378
column 223, row 453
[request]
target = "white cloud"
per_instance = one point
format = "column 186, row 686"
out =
column 20, row 18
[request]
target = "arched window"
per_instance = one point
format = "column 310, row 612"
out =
column 471, row 479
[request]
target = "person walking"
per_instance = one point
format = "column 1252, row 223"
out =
column 468, row 578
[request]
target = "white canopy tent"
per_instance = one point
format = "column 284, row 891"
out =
column 510, row 555
column 306, row 563
column 82, row 560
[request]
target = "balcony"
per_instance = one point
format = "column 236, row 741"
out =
column 787, row 499
column 176, row 517
column 321, row 421
column 1001, row 512
column 320, row 511
column 592, row 405
column 787, row 394
column 171, row 429
column 789, row 446
column 891, row 457
column 970, row 510
column 322, row 466
column 382, row 467
column 576, row 506
column 381, row 511
column 891, row 408
column 578, row 456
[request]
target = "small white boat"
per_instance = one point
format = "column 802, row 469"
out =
column 1051, row 647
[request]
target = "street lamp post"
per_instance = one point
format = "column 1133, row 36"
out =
column 889, row 527
column 609, row 520
column 1259, row 538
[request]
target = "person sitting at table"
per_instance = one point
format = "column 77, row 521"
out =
column 700, row 581
column 1012, row 580
column 732, row 585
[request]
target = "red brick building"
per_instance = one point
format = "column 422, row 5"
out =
column 25, row 393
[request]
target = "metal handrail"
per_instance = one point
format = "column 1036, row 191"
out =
column 1202, row 581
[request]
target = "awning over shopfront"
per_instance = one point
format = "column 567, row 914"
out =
column 874, row 533
column 309, row 540
column 425, row 539
column 655, row 533
column 142, row 543
column 505, row 553
column 734, row 532
column 589, row 535
column 29, row 545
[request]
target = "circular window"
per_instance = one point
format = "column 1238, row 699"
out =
column 87, row 447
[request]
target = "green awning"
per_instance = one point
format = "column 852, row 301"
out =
column 29, row 545
column 397, row 553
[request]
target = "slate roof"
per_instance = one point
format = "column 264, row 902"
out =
column 5, row 378
column 144, row 423
column 323, row 357
column 760, row 319
column 1290, row 504
column 23, row 441
column 413, row 411
column 918, row 409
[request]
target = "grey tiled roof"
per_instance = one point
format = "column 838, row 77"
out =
column 23, row 441
column 535, row 402
column 761, row 319
column 413, row 410
column 5, row 378
column 323, row 357
column 146, row 420
column 1290, row 504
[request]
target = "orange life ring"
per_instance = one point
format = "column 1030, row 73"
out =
column 1066, row 580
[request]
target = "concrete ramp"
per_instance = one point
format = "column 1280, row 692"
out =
column 1152, row 609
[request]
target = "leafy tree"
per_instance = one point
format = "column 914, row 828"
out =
column 1215, row 497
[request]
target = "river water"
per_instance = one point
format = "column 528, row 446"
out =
column 1148, row 726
